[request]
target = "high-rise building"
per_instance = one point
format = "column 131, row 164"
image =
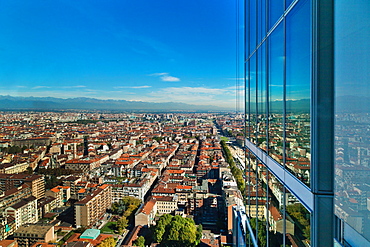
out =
column 90, row 209
column 307, row 122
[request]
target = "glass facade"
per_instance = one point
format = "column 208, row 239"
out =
column 307, row 65
column 352, row 118
column 278, row 92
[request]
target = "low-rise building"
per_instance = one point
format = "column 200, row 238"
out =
column 29, row 234
column 145, row 215
column 89, row 238
column 166, row 204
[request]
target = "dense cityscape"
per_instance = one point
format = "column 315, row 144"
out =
column 115, row 179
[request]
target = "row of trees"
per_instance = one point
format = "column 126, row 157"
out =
column 237, row 173
column 177, row 231
column 126, row 208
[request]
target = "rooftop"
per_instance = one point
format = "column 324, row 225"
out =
column 90, row 234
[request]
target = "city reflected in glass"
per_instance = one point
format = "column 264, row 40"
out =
column 280, row 88
column 352, row 131
column 278, row 118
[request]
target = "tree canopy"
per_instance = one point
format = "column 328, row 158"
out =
column 177, row 231
column 126, row 206
column 122, row 223
column 108, row 242
column 140, row 241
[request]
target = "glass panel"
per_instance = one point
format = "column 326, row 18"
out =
column 264, row 178
column 298, row 50
column 250, row 177
column 261, row 98
column 257, row 199
column 248, row 129
column 276, row 83
column 288, row 3
column 297, row 222
column 286, row 217
column 274, row 214
column 352, row 132
column 261, row 5
column 253, row 99
column 252, row 24
column 275, row 10
column 247, row 33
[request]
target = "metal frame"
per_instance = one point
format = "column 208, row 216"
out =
column 322, row 134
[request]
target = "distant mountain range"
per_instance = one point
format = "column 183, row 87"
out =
column 343, row 104
column 353, row 104
column 50, row 103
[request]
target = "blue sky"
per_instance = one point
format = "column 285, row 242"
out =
column 145, row 50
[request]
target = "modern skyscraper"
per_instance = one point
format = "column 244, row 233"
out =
column 307, row 121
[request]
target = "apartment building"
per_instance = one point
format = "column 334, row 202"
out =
column 36, row 182
column 72, row 182
column 61, row 193
column 14, row 195
column 86, row 164
column 14, row 167
column 24, row 211
column 93, row 206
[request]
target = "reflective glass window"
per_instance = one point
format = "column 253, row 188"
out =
column 252, row 24
column 261, row 6
column 261, row 98
column 253, row 98
column 352, row 106
column 288, row 3
column 275, row 96
column 298, row 90
column 297, row 221
column 275, row 11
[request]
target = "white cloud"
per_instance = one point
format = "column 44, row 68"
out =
column 135, row 87
column 158, row 74
column 166, row 77
column 38, row 87
column 78, row 86
column 169, row 78
column 141, row 87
